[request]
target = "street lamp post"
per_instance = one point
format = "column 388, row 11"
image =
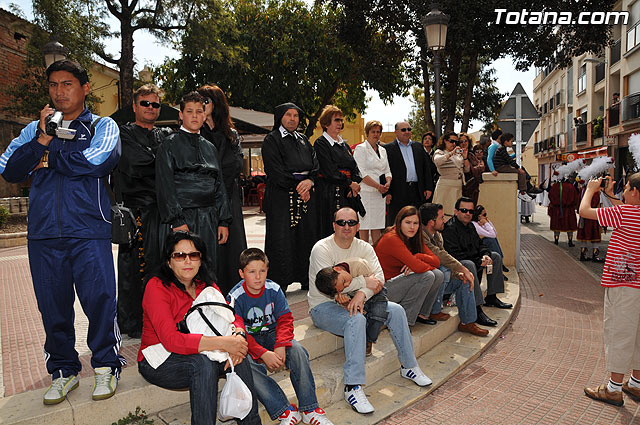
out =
column 53, row 51
column 435, row 30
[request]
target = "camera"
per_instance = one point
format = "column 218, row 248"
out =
column 603, row 183
column 52, row 123
column 53, row 127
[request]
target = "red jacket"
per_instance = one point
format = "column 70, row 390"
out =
column 393, row 254
column 162, row 309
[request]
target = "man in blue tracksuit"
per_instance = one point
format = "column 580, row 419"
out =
column 69, row 231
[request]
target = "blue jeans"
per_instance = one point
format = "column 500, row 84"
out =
column 334, row 318
column 269, row 392
column 200, row 375
column 493, row 245
column 464, row 298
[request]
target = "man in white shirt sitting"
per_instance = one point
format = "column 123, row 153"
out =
column 349, row 322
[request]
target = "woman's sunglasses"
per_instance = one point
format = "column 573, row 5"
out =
column 181, row 256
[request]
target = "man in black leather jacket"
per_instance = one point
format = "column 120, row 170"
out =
column 462, row 241
column 134, row 178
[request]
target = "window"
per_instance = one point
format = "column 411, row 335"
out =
column 633, row 33
column 582, row 78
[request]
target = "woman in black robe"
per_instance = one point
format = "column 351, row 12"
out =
column 289, row 201
column 218, row 129
column 339, row 177
column 189, row 185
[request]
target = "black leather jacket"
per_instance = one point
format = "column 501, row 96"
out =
column 463, row 241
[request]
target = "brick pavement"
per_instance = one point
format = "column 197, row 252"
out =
column 537, row 372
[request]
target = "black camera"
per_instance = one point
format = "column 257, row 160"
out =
column 603, row 183
column 52, row 123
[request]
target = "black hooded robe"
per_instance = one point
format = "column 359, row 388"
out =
column 333, row 183
column 134, row 177
column 288, row 247
column 228, row 259
column 190, row 189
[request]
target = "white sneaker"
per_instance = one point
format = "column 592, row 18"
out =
column 290, row 417
column 358, row 400
column 59, row 389
column 105, row 383
column 316, row 417
column 416, row 375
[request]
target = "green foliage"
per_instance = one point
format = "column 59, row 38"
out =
column 138, row 418
column 416, row 115
column 4, row 215
column 271, row 52
column 77, row 26
column 598, row 127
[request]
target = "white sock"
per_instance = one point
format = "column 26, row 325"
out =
column 614, row 387
column 633, row 382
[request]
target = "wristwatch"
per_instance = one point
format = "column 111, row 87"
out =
column 45, row 159
column 241, row 332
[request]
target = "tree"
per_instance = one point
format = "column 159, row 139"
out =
column 68, row 21
column 474, row 34
column 287, row 51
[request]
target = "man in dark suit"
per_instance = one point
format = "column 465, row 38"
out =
column 412, row 181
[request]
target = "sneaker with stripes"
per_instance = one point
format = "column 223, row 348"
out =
column 316, row 417
column 358, row 400
column 416, row 375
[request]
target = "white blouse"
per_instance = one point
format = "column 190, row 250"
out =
column 370, row 164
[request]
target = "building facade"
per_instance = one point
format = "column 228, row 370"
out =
column 591, row 107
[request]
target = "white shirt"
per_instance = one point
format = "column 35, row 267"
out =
column 370, row 164
column 331, row 140
column 326, row 253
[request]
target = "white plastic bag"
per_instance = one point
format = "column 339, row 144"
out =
column 235, row 398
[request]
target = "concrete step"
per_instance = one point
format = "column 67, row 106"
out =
column 327, row 364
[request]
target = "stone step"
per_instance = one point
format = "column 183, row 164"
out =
column 327, row 365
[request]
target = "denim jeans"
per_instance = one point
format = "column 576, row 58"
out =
column 334, row 318
column 269, row 392
column 464, row 298
column 493, row 245
column 200, row 375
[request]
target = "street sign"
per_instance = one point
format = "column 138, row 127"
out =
column 519, row 110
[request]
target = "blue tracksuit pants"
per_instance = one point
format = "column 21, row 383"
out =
column 57, row 265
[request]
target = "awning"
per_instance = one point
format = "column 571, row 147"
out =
column 589, row 153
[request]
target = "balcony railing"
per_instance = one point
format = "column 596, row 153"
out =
column 631, row 107
column 615, row 52
column 614, row 115
column 581, row 133
column 599, row 72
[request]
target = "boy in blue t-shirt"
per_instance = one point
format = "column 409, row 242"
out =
column 269, row 323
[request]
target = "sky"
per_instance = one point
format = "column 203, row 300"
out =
column 148, row 51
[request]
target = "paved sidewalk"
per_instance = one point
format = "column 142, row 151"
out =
column 535, row 374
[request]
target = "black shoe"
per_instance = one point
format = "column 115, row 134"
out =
column 571, row 244
column 495, row 302
column 505, row 269
column 555, row 240
column 426, row 321
column 483, row 319
column 596, row 256
column 583, row 254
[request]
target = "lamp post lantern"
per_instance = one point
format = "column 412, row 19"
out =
column 53, row 51
column 435, row 30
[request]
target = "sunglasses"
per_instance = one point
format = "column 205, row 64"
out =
column 206, row 101
column 465, row 210
column 146, row 104
column 405, row 129
column 181, row 256
column 483, row 215
column 342, row 223
column 338, row 119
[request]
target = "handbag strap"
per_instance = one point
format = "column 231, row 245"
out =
column 204, row 317
column 214, row 303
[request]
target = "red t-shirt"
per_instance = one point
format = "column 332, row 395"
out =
column 622, row 265
column 393, row 254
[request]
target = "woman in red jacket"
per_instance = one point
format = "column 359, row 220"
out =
column 171, row 359
column 410, row 268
